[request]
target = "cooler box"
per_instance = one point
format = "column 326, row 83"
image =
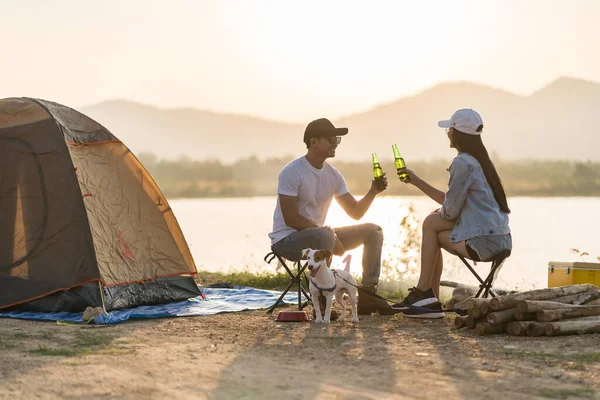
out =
column 573, row 273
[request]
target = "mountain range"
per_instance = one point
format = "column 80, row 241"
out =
column 556, row 122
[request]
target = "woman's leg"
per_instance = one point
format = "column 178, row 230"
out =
column 431, row 258
column 437, row 274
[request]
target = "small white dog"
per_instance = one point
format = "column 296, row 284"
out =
column 327, row 282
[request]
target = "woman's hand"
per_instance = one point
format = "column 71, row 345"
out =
column 412, row 177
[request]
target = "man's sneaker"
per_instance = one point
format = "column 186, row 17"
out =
column 432, row 311
column 416, row 298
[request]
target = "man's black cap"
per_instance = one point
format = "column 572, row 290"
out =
column 322, row 127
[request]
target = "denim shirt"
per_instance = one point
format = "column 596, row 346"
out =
column 470, row 201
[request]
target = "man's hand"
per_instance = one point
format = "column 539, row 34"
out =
column 338, row 247
column 374, row 185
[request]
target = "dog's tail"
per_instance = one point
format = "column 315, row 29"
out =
column 347, row 260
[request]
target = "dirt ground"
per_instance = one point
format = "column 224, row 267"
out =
column 249, row 355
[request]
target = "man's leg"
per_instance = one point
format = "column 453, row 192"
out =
column 316, row 238
column 371, row 236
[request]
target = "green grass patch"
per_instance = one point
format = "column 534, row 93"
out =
column 90, row 338
column 278, row 281
column 566, row 393
column 47, row 351
column 6, row 345
column 84, row 342
column 266, row 280
column 21, row 335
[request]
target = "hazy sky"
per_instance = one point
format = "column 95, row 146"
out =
column 288, row 60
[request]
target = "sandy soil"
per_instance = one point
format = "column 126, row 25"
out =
column 249, row 355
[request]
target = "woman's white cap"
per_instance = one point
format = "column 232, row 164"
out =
column 464, row 120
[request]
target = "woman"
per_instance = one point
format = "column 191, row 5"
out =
column 473, row 220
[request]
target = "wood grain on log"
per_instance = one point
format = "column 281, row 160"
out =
column 536, row 329
column 516, row 328
column 525, row 316
column 501, row 316
column 511, row 300
column 555, row 315
column 574, row 326
column 539, row 305
column 459, row 321
column 483, row 328
column 470, row 322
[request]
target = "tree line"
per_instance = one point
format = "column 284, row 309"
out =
column 186, row 178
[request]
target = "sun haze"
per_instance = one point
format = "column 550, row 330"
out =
column 290, row 61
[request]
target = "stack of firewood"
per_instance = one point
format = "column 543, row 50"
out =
column 556, row 311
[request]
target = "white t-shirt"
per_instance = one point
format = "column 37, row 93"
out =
column 315, row 188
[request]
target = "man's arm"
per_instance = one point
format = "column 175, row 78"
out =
column 291, row 216
column 356, row 209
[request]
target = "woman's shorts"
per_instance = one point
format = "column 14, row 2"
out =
column 485, row 247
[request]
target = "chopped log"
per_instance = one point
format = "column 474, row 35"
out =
column 474, row 312
column 516, row 328
column 574, row 326
column 453, row 301
column 578, row 298
column 463, row 305
column 555, row 315
column 489, row 329
column 484, row 308
column 463, row 292
column 511, row 300
column 539, row 305
column 476, row 303
column 459, row 321
column 470, row 322
column 588, row 297
column 473, row 289
column 501, row 316
column 536, row 329
column 595, row 302
column 525, row 316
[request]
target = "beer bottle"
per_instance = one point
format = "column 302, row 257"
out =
column 377, row 173
column 400, row 164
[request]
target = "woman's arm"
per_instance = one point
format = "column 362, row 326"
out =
column 436, row 195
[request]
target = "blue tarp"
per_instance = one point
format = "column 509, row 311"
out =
column 217, row 301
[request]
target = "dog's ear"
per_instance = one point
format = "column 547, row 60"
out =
column 305, row 253
column 321, row 255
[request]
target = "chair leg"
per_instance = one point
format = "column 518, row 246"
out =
column 287, row 288
column 298, row 278
column 295, row 279
column 485, row 286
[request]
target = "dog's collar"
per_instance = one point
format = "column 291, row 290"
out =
column 321, row 290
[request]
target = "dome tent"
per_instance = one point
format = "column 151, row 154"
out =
column 82, row 223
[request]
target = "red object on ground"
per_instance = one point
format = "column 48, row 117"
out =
column 292, row 316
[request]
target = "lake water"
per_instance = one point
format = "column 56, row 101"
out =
column 231, row 234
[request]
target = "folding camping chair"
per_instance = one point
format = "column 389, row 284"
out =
column 485, row 287
column 295, row 279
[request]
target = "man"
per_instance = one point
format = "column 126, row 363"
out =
column 306, row 188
